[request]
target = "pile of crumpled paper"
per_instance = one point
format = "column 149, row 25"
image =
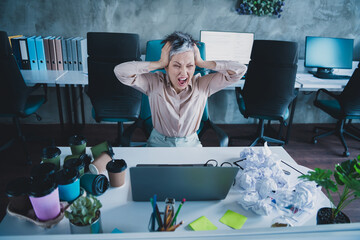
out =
column 265, row 187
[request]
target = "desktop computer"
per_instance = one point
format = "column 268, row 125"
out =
column 327, row 54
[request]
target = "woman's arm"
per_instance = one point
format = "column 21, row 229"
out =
column 206, row 64
column 228, row 72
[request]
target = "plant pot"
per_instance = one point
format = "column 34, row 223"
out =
column 95, row 227
column 324, row 216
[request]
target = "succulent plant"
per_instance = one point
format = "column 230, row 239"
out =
column 84, row 210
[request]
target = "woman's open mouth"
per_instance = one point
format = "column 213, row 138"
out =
column 182, row 81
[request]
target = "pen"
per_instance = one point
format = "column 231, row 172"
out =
column 154, row 211
column 177, row 212
column 158, row 216
column 152, row 216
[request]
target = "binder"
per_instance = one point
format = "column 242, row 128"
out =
column 52, row 50
column 64, row 53
column 24, row 53
column 84, row 55
column 59, row 57
column 11, row 37
column 79, row 53
column 69, row 54
column 74, row 54
column 16, row 50
column 47, row 52
column 32, row 53
column 40, row 53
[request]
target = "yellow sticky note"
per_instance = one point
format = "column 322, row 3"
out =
column 202, row 224
column 233, row 219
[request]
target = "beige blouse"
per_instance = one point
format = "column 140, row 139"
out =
column 177, row 115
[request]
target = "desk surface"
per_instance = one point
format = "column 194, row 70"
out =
column 119, row 211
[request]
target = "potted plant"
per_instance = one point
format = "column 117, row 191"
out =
column 84, row 215
column 347, row 178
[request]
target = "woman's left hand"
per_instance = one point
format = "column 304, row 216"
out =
column 200, row 62
column 198, row 59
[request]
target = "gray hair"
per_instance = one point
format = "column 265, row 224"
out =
column 180, row 42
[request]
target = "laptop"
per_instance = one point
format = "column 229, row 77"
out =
column 192, row 182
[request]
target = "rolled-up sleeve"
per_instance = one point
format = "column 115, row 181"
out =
column 214, row 82
column 134, row 74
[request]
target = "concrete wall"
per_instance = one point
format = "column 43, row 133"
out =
column 154, row 19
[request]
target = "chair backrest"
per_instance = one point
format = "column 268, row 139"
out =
column 270, row 78
column 13, row 90
column 106, row 50
column 350, row 96
column 153, row 53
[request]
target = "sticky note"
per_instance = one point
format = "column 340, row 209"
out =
column 202, row 224
column 233, row 219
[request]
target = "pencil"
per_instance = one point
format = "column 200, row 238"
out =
column 177, row 212
column 173, row 227
column 165, row 215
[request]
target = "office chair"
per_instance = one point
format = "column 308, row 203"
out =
column 269, row 86
column 112, row 101
column 153, row 53
column 15, row 99
column 342, row 107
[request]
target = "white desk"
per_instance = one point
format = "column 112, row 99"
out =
column 132, row 217
column 45, row 77
column 310, row 83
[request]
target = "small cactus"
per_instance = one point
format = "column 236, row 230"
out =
column 84, row 211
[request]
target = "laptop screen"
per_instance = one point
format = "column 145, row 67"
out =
column 193, row 182
column 232, row 46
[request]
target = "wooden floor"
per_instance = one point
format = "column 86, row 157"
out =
column 325, row 154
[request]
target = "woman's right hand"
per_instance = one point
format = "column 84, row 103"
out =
column 164, row 59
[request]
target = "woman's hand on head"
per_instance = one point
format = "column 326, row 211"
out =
column 164, row 58
column 165, row 55
column 198, row 59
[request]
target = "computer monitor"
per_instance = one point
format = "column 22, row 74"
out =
column 325, row 54
column 233, row 46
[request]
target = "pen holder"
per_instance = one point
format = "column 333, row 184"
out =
column 158, row 228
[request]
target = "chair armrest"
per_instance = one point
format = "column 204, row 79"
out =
column 222, row 136
column 323, row 90
column 36, row 86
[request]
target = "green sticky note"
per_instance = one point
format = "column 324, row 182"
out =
column 233, row 219
column 202, row 224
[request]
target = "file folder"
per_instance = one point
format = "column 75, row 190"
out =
column 74, row 53
column 79, row 53
column 53, row 57
column 59, row 57
column 24, row 52
column 15, row 36
column 69, row 54
column 84, row 54
column 40, row 52
column 16, row 50
column 32, row 53
column 64, row 53
column 47, row 52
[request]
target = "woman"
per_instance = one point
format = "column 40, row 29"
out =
column 178, row 98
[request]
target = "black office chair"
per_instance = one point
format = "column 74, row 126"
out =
column 153, row 53
column 112, row 101
column 15, row 99
column 269, row 85
column 342, row 107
